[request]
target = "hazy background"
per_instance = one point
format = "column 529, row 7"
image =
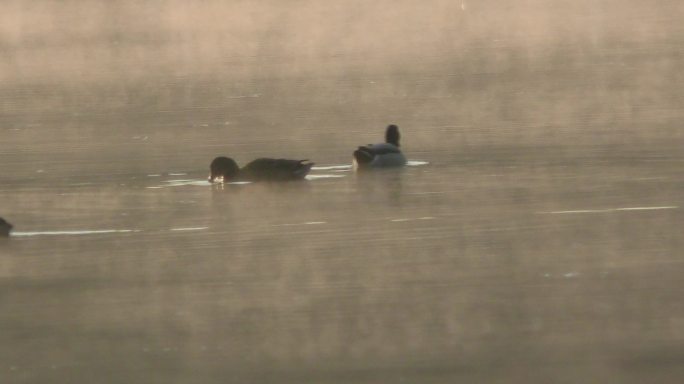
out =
column 516, row 255
column 89, row 75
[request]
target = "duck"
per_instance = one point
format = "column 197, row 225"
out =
column 225, row 169
column 5, row 228
column 381, row 155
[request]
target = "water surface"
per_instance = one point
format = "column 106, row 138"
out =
column 535, row 238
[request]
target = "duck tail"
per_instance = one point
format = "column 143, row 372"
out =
column 363, row 156
column 304, row 167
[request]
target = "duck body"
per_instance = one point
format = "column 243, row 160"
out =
column 262, row 169
column 381, row 155
column 266, row 169
column 5, row 228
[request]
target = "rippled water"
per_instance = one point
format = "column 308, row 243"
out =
column 444, row 271
column 534, row 237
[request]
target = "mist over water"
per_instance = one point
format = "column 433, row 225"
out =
column 534, row 238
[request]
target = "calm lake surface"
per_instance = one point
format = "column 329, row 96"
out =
column 535, row 238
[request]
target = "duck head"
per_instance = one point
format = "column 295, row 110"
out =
column 392, row 135
column 223, row 168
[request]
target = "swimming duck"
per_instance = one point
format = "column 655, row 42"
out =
column 385, row 154
column 5, row 228
column 263, row 169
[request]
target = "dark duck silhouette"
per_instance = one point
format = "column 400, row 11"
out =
column 5, row 228
column 264, row 169
column 380, row 155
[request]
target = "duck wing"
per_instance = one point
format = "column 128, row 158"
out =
column 276, row 169
column 381, row 149
column 367, row 154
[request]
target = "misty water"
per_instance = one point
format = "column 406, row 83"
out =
column 535, row 237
